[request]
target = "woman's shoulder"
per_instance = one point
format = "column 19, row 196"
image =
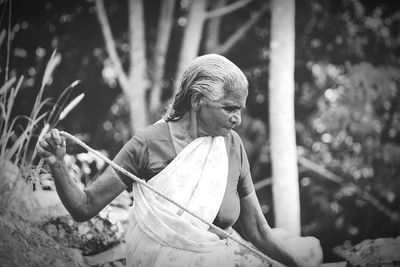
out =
column 155, row 131
column 233, row 139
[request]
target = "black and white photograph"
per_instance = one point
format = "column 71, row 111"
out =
column 199, row 133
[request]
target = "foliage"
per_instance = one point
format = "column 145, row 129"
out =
column 14, row 144
column 19, row 133
column 354, row 134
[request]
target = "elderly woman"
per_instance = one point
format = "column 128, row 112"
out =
column 193, row 157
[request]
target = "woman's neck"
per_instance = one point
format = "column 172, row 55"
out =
column 184, row 130
column 188, row 125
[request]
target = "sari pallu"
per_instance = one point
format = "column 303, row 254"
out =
column 160, row 233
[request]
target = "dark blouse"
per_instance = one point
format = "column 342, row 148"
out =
column 152, row 149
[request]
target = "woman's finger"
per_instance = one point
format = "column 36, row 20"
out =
column 56, row 137
column 42, row 152
column 50, row 139
column 44, row 144
column 63, row 141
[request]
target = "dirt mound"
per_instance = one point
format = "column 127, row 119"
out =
column 36, row 230
column 22, row 244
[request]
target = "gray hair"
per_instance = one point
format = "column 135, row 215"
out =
column 205, row 77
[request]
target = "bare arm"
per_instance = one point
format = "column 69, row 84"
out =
column 81, row 204
column 256, row 229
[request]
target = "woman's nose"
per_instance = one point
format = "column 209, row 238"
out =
column 236, row 118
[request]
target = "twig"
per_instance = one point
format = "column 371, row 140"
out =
column 263, row 183
column 240, row 32
column 227, row 9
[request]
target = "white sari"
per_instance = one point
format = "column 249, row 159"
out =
column 160, row 233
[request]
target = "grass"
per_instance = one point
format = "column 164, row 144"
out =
column 19, row 133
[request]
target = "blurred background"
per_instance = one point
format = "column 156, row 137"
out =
column 122, row 66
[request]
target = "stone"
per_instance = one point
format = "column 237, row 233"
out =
column 371, row 252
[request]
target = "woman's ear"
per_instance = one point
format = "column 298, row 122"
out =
column 195, row 102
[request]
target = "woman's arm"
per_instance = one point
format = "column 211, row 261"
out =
column 82, row 204
column 256, row 230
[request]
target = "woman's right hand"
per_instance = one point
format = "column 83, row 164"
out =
column 52, row 147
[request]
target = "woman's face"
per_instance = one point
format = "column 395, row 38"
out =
column 218, row 118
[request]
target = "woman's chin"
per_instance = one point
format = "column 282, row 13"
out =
column 225, row 131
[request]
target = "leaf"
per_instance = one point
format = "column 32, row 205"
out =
column 44, row 130
column 3, row 111
column 53, row 117
column 55, row 59
column 3, row 32
column 70, row 106
column 23, row 137
column 7, row 86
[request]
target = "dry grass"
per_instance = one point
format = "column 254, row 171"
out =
column 19, row 133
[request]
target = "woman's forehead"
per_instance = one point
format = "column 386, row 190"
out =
column 235, row 98
column 232, row 101
column 235, row 93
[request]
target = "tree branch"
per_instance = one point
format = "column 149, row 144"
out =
column 234, row 38
column 227, row 9
column 263, row 183
column 337, row 179
column 109, row 41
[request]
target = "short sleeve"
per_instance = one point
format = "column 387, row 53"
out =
column 133, row 157
column 245, row 184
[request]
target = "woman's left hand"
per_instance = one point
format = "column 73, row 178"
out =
column 308, row 247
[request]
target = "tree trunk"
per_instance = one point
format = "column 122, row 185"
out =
column 282, row 122
column 138, row 110
column 191, row 37
column 138, row 80
column 163, row 37
column 213, row 28
column 135, row 83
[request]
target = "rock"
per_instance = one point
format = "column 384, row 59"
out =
column 15, row 192
column 22, row 244
column 115, row 255
column 47, row 198
column 91, row 237
column 376, row 252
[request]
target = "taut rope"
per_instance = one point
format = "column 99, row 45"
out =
column 138, row 180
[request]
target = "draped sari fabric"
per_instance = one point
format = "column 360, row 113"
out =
column 162, row 234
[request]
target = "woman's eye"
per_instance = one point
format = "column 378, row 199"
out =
column 232, row 109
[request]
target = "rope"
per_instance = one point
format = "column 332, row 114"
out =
column 143, row 183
